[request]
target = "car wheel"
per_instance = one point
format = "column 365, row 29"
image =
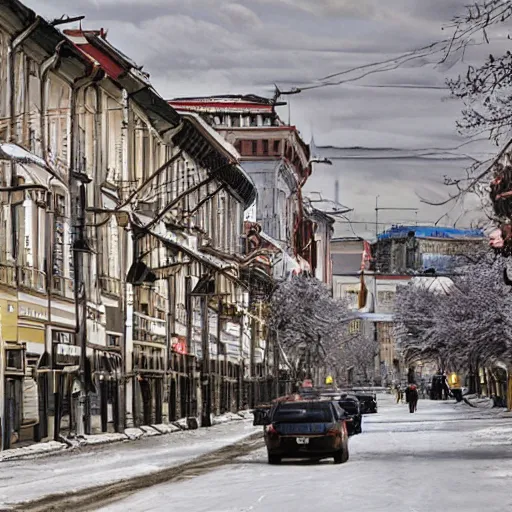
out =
column 274, row 459
column 338, row 457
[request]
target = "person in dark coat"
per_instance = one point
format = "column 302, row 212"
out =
column 411, row 396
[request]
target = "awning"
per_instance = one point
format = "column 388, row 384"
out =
column 186, row 244
column 36, row 169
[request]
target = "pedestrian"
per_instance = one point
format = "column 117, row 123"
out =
column 398, row 393
column 411, row 396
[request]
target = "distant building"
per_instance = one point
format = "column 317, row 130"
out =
column 413, row 249
column 275, row 157
column 397, row 256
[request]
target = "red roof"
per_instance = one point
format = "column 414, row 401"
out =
column 81, row 41
column 222, row 105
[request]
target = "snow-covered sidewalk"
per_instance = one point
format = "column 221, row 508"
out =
column 27, row 480
column 130, row 434
column 484, row 405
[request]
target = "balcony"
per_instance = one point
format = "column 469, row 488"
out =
column 110, row 286
column 63, row 286
column 32, row 279
column 148, row 328
column 8, row 275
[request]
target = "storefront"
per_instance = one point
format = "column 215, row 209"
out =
column 66, row 383
column 148, row 379
column 182, row 399
column 106, row 368
column 32, row 316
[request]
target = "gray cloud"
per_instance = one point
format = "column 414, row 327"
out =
column 204, row 47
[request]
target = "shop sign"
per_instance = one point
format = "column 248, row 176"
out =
column 32, row 311
column 66, row 354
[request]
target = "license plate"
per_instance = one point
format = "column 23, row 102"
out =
column 302, row 440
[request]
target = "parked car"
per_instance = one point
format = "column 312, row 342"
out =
column 352, row 407
column 305, row 429
column 368, row 402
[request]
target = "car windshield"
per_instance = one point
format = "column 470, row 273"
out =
column 303, row 413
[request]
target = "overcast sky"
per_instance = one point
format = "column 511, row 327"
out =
column 202, row 47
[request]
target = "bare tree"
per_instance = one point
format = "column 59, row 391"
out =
column 309, row 322
column 484, row 89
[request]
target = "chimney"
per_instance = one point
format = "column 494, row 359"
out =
column 337, row 192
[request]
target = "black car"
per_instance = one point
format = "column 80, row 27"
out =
column 350, row 404
column 305, row 429
column 368, row 402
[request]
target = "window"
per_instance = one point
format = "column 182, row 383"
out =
column 277, row 148
column 354, row 327
column 14, row 360
column 309, row 412
column 113, row 340
column 265, row 147
column 254, row 147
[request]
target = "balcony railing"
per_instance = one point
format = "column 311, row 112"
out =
column 148, row 328
column 63, row 286
column 110, row 286
column 8, row 275
column 32, row 279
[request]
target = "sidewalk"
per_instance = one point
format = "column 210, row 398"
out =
column 129, row 434
column 26, row 480
column 484, row 405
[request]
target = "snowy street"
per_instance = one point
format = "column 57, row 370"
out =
column 29, row 480
column 444, row 457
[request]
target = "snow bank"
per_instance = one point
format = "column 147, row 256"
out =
column 166, row 428
column 480, row 403
column 129, row 434
column 33, row 450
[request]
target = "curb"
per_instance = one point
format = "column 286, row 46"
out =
column 130, row 434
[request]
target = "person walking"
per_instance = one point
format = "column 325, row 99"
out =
column 398, row 393
column 411, row 396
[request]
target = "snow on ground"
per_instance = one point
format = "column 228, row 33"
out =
column 444, row 457
column 25, row 480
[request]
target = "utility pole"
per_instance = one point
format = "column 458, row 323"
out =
column 218, row 390
column 205, row 367
column 80, row 248
column 378, row 209
column 276, row 363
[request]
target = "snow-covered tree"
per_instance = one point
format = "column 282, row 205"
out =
column 356, row 357
column 462, row 324
column 309, row 323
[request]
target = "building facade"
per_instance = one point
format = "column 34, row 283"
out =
column 128, row 292
column 275, row 157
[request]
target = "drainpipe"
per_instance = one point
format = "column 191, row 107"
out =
column 127, row 294
column 78, row 220
column 14, row 44
column 48, row 65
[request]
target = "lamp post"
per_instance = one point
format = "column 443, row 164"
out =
column 81, row 248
